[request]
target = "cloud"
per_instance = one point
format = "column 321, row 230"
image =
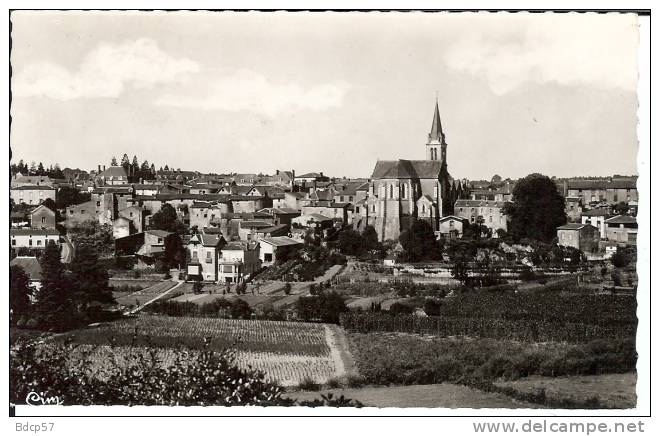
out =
column 104, row 72
column 568, row 49
column 251, row 91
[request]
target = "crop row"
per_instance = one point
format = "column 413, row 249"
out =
column 517, row 330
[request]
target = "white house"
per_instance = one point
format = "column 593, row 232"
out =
column 269, row 247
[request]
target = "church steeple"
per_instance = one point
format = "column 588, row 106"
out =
column 436, row 138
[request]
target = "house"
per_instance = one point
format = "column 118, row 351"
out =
column 248, row 203
column 32, row 268
column 610, row 191
column 33, row 238
column 204, row 250
column 307, row 178
column 390, row 260
column 596, row 217
column 622, row 229
column 136, row 215
column 114, row 175
column 340, row 211
column 273, row 247
column 282, row 215
column 146, row 246
column 42, row 217
column 584, row 237
column 573, row 209
column 451, row 227
column 313, row 221
column 484, row 212
column 95, row 210
column 294, row 200
column 20, row 180
column 32, row 194
column 237, row 261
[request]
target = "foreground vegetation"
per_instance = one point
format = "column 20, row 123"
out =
column 211, row 378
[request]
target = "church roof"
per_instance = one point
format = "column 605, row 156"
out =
column 407, row 169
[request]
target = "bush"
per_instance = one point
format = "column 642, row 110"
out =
column 307, row 384
column 432, row 307
column 401, row 308
column 197, row 287
column 209, row 379
column 325, row 307
column 287, row 288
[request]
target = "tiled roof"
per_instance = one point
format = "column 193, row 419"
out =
column 595, row 212
column 572, row 226
column 308, row 175
column 159, row 233
column 319, row 217
column 280, row 241
column 273, row 229
column 33, row 188
column 407, row 169
column 114, row 172
column 34, row 232
column 621, row 219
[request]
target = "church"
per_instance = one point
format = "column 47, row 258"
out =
column 401, row 191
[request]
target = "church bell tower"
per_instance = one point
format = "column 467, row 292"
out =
column 436, row 141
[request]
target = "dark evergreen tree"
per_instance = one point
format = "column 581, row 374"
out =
column 113, row 162
column 167, row 219
column 419, row 242
column 537, row 209
column 371, row 238
column 125, row 162
column 54, row 308
column 90, row 278
column 19, row 293
column 40, row 170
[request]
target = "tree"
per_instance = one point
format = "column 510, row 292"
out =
column 40, row 170
column 92, row 233
column 621, row 208
column 371, row 238
column 19, row 292
column 419, row 242
column 113, row 162
column 67, row 196
column 537, row 209
column 401, row 309
column 175, row 253
column 167, row 219
column 125, row 162
column 54, row 308
column 145, row 172
column 496, row 179
column 432, row 306
column 90, row 278
column 351, row 242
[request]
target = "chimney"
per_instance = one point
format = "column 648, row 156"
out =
column 141, row 180
column 99, row 168
column 277, row 172
column 103, row 167
column 321, row 173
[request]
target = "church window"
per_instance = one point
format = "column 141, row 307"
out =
column 391, row 191
column 423, row 208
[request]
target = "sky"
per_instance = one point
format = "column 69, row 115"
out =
column 332, row 92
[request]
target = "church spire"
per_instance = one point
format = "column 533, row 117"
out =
column 436, row 134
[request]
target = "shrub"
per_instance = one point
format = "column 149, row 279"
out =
column 432, row 307
column 287, row 288
column 401, row 308
column 197, row 287
column 307, row 384
column 209, row 379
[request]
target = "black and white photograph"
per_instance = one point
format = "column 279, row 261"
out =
column 359, row 213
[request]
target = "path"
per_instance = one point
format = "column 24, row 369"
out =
column 139, row 308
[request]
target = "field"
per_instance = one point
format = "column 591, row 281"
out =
column 612, row 390
column 289, row 352
column 437, row 395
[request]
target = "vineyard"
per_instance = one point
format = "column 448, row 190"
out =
column 288, row 352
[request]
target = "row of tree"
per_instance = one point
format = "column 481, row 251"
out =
column 137, row 171
column 53, row 171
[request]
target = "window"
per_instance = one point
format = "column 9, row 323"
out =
column 13, row 242
column 268, row 257
column 194, row 254
column 30, row 241
column 209, row 258
column 423, row 208
column 451, row 224
column 130, row 214
column 98, row 203
column 39, row 242
column 43, row 220
column 82, row 211
column 391, row 191
column 70, row 211
column 160, row 240
column 227, row 269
